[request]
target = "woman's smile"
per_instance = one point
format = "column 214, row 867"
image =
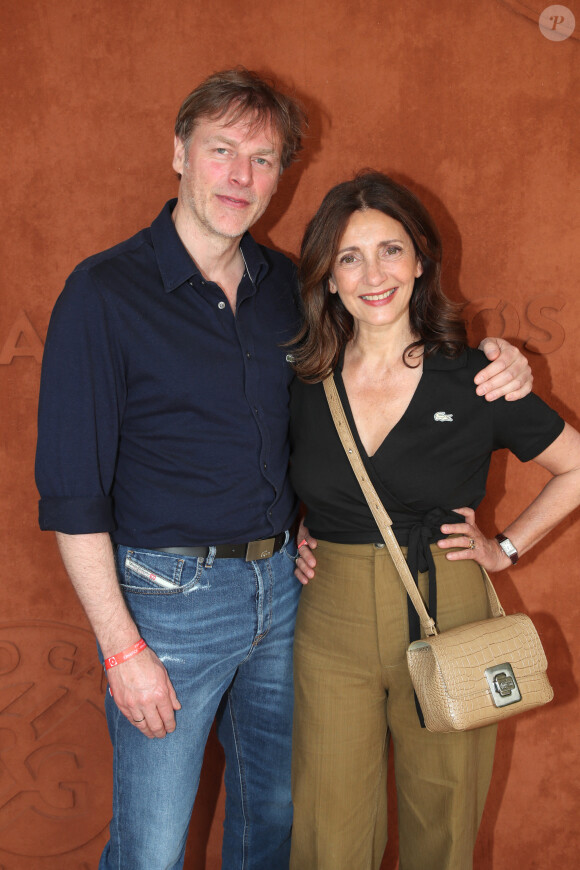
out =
column 380, row 297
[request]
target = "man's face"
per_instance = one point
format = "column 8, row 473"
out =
column 229, row 173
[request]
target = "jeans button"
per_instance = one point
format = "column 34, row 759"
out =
column 380, row 546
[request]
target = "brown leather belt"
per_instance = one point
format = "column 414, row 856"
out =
column 251, row 551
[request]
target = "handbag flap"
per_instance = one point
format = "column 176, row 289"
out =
column 462, row 654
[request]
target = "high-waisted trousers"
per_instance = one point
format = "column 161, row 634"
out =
column 352, row 694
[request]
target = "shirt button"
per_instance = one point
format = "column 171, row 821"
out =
column 221, row 305
column 265, row 465
column 248, row 354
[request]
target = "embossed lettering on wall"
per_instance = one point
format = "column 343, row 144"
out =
column 538, row 326
column 22, row 340
column 52, row 769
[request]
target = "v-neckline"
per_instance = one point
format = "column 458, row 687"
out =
column 350, row 416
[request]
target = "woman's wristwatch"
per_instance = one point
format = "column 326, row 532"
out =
column 508, row 548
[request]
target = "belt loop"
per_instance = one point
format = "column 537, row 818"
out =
column 209, row 558
column 286, row 538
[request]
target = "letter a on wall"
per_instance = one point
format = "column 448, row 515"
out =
column 22, row 340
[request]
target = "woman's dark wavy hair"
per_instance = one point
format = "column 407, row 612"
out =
column 328, row 326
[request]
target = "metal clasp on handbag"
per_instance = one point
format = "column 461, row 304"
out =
column 503, row 685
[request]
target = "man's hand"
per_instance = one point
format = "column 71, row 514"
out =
column 143, row 692
column 509, row 373
column 305, row 561
column 140, row 686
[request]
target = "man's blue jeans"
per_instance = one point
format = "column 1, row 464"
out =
column 224, row 630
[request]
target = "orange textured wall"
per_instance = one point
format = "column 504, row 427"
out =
column 470, row 101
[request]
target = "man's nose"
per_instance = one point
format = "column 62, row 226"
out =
column 241, row 171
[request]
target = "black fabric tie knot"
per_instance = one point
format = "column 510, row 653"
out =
column 419, row 536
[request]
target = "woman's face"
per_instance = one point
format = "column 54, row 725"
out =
column 375, row 269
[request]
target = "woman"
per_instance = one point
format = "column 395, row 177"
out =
column 377, row 318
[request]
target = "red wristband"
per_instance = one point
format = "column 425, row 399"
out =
column 127, row 654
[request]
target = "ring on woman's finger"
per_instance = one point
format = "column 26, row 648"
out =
column 136, row 721
column 472, row 543
column 302, row 542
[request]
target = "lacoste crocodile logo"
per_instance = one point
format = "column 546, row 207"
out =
column 442, row 417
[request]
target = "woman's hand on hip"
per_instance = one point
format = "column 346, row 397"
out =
column 485, row 551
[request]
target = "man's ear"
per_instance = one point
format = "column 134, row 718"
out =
column 178, row 155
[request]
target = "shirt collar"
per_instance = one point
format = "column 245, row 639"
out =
column 175, row 264
column 254, row 258
column 437, row 362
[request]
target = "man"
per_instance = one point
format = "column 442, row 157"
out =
column 161, row 465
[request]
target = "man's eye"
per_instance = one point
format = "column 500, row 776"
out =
column 261, row 161
column 222, row 150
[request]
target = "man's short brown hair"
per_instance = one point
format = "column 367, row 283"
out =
column 238, row 93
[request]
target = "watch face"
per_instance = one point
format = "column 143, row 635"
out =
column 508, row 547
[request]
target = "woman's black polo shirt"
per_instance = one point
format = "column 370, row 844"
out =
column 437, row 455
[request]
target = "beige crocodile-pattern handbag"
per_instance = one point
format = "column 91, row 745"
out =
column 472, row 675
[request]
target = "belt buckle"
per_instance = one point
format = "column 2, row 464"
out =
column 260, row 549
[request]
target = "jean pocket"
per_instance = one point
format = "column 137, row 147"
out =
column 290, row 550
column 153, row 573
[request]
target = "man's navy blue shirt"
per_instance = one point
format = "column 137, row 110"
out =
column 163, row 419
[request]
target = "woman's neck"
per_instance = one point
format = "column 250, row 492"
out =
column 381, row 347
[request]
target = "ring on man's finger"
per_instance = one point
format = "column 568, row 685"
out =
column 136, row 721
column 472, row 543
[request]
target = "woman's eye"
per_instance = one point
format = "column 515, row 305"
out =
column 392, row 250
column 346, row 259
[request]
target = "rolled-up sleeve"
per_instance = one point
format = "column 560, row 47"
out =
column 80, row 409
